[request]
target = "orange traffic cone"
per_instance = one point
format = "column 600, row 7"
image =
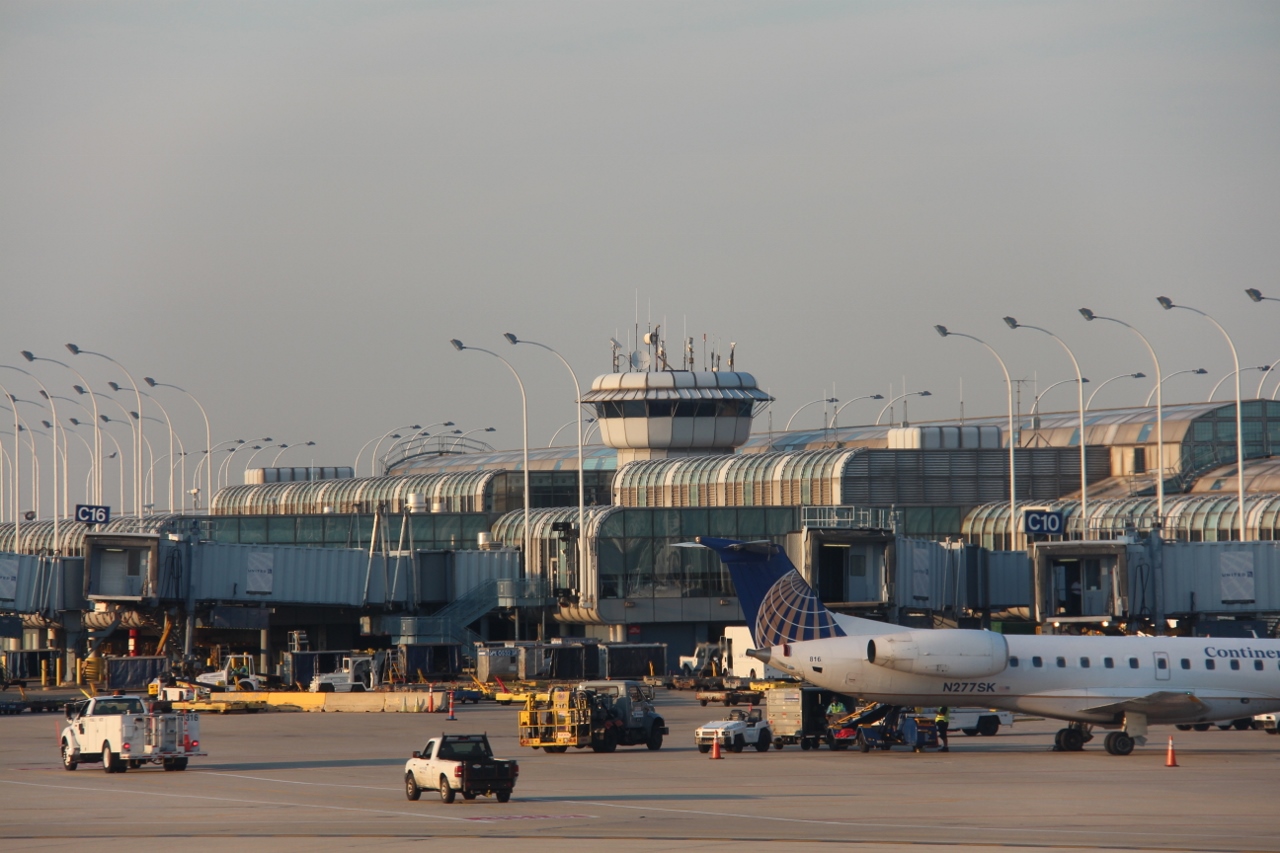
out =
column 1171, row 760
column 715, row 749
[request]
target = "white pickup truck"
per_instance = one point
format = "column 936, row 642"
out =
column 124, row 732
column 459, row 764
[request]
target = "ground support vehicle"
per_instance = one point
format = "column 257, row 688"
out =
column 186, row 696
column 729, row 697
column 884, row 727
column 357, row 674
column 459, row 764
column 1242, row 724
column 123, row 732
column 1266, row 722
column 737, row 731
column 237, row 673
column 797, row 715
column 975, row 721
column 600, row 714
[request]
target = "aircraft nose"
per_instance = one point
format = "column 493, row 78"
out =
column 761, row 655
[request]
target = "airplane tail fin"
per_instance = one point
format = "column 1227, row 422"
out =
column 780, row 607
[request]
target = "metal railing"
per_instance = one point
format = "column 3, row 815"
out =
column 850, row 518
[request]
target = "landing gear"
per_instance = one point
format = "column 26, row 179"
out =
column 1118, row 743
column 1071, row 739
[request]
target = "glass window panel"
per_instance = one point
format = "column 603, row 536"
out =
column 667, row 522
column 282, row 530
column 946, row 520
column 338, row 530
column 1203, row 431
column 473, row 526
column 423, row 528
column 694, row 523
column 723, row 522
column 781, row 519
column 918, row 520
column 310, row 529
column 226, row 530
column 253, row 531
column 639, row 523
column 449, row 530
column 1226, row 431
column 751, row 523
column 612, row 567
column 640, row 574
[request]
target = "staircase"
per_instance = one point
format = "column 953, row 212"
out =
column 449, row 624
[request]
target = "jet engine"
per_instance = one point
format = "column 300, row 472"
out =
column 951, row 653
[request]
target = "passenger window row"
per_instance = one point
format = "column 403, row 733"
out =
column 1037, row 662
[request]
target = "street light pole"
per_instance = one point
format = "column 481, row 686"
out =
column 524, row 413
column 17, row 473
column 577, row 408
column 1200, row 371
column 1035, row 405
column 116, row 386
column 208, row 440
column 903, row 397
column 1265, row 368
column 137, row 461
column 1168, row 304
column 1160, row 466
column 835, row 416
column 285, row 447
column 1084, row 473
column 57, row 543
column 97, row 430
column 1013, row 442
column 787, row 428
column 1089, row 402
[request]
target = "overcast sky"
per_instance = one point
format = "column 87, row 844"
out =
column 290, row 208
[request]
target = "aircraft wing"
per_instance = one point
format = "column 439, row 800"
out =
column 1163, row 701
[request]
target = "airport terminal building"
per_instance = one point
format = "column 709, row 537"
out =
column 909, row 523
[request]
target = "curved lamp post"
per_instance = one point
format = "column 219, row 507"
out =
column 57, row 543
column 524, row 416
column 285, row 447
column 1168, row 304
column 116, row 386
column 787, row 428
column 97, row 435
column 1256, row 295
column 208, row 441
column 1035, row 405
column 1160, row 378
column 1105, row 382
column 581, row 478
column 17, row 474
column 356, row 466
column 889, row 404
column 835, row 416
column 1084, row 474
column 137, row 460
column 1013, row 441
column 1264, row 368
column 1200, row 371
column 118, row 455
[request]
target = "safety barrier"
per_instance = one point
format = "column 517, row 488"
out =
column 417, row 702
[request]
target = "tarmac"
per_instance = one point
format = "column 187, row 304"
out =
column 290, row 781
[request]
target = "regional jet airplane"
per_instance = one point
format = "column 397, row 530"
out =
column 1118, row 683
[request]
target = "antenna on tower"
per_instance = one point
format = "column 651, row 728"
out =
column 732, row 346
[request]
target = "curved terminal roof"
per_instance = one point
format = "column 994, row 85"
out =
column 1206, row 518
column 462, row 491
column 802, row 478
column 37, row 536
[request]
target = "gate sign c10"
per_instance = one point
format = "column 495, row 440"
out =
column 1040, row 521
column 90, row 514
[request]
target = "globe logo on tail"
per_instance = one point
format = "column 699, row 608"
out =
column 791, row 612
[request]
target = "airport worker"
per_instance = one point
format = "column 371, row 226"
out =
column 943, row 721
column 835, row 710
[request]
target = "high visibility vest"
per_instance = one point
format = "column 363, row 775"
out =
column 943, row 717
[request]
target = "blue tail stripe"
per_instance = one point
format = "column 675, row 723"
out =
column 780, row 607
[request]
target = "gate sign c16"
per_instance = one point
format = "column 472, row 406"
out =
column 90, row 514
column 1042, row 522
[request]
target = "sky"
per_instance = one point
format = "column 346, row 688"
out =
column 290, row 208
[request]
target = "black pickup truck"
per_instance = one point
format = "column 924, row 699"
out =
column 459, row 764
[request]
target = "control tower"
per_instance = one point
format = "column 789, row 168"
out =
column 654, row 411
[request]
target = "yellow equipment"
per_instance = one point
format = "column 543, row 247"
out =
column 556, row 720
